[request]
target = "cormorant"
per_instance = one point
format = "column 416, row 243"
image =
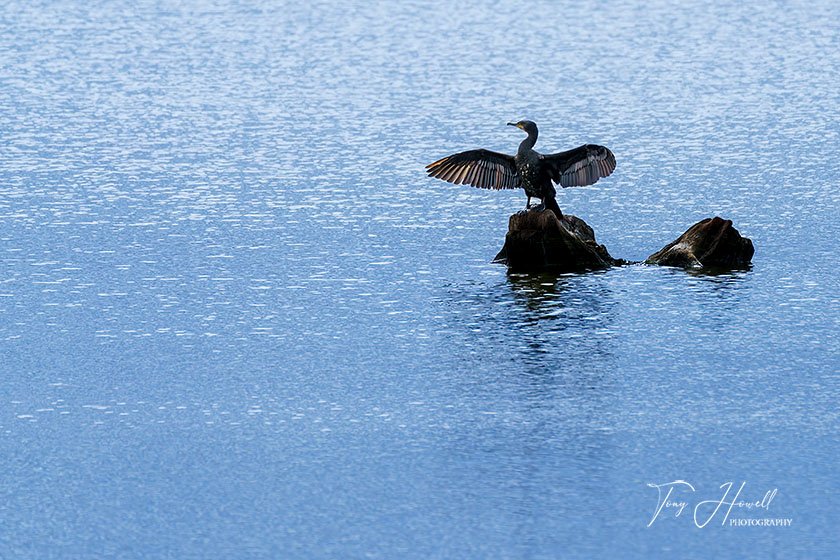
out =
column 529, row 170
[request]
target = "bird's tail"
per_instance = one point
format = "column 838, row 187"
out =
column 551, row 204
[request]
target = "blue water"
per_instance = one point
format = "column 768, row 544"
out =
column 238, row 321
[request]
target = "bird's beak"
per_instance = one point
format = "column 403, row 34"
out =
column 514, row 124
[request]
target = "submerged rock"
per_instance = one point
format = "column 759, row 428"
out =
column 712, row 242
column 540, row 241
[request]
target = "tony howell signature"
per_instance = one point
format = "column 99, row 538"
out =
column 674, row 496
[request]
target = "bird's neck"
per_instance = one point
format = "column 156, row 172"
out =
column 528, row 143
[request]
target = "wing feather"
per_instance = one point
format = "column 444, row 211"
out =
column 479, row 168
column 447, row 172
column 462, row 174
column 482, row 174
column 582, row 166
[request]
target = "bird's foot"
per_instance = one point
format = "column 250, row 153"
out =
column 539, row 207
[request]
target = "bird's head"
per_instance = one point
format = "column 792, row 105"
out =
column 528, row 126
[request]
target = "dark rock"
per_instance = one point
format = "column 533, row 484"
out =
column 539, row 241
column 712, row 242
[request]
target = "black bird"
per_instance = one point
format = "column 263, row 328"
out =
column 529, row 170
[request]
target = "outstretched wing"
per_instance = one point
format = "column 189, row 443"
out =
column 480, row 168
column 581, row 166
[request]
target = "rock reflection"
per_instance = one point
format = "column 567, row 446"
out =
column 545, row 420
column 719, row 289
column 719, row 275
column 538, row 332
column 568, row 317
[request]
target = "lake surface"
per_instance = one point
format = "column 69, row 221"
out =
column 238, row 321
